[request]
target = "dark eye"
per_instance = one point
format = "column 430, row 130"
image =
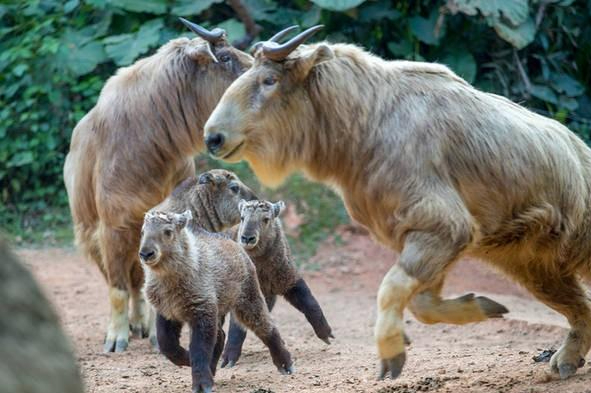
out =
column 269, row 81
column 167, row 233
column 241, row 219
column 225, row 58
column 234, row 188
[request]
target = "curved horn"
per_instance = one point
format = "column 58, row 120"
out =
column 278, row 52
column 279, row 36
column 212, row 36
column 275, row 38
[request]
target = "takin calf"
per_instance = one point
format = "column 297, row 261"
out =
column 261, row 234
column 436, row 169
column 196, row 277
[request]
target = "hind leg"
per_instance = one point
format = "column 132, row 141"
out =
column 118, row 262
column 251, row 311
column 302, row 299
column 138, row 318
column 237, row 335
column 428, row 307
column 219, row 347
column 565, row 295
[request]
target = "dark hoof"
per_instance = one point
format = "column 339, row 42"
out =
column 228, row 363
column 392, row 366
column 203, row 388
column 566, row 370
column 287, row 370
column 121, row 345
column 406, row 340
column 491, row 308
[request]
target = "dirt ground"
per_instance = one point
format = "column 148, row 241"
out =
column 494, row 356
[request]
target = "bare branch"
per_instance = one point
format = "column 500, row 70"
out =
column 252, row 29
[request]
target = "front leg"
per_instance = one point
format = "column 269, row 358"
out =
column 233, row 349
column 201, row 349
column 167, row 334
column 424, row 258
column 302, row 299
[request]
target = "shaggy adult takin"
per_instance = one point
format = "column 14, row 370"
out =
column 35, row 355
column 196, row 277
column 435, row 168
column 261, row 234
column 132, row 149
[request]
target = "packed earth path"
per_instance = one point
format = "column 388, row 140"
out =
column 493, row 356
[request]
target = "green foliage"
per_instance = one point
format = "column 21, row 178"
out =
column 56, row 55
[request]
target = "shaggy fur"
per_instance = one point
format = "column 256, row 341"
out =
column 196, row 278
column 261, row 234
column 131, row 149
column 435, row 169
column 35, row 355
column 212, row 197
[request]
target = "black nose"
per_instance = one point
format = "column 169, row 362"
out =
column 248, row 239
column 146, row 255
column 214, row 142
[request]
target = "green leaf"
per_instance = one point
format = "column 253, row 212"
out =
column 234, row 29
column 78, row 52
column 20, row 159
column 568, row 103
column 191, row 7
column 378, row 11
column 514, row 11
column 425, row 28
column 151, row 6
column 520, row 36
column 563, row 83
column 462, row 63
column 311, row 17
column 71, row 6
column 544, row 93
column 402, row 48
column 125, row 48
column 337, row 5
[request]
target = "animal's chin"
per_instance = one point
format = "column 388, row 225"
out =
column 152, row 263
column 232, row 155
column 248, row 246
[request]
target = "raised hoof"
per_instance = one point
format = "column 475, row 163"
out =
column 287, row 370
column 491, row 308
column 392, row 366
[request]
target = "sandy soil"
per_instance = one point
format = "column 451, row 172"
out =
column 494, row 356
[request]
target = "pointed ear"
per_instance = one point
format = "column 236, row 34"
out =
column 241, row 204
column 278, row 208
column 206, row 178
column 310, row 58
column 201, row 53
column 181, row 220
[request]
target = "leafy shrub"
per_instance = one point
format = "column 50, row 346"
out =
column 56, row 55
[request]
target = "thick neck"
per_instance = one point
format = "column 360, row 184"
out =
column 204, row 210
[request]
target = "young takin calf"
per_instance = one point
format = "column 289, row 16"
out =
column 195, row 277
column 261, row 234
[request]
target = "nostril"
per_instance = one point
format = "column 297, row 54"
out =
column 214, row 142
column 248, row 239
column 147, row 255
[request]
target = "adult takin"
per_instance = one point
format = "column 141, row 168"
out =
column 261, row 234
column 132, row 149
column 196, row 277
column 435, row 168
